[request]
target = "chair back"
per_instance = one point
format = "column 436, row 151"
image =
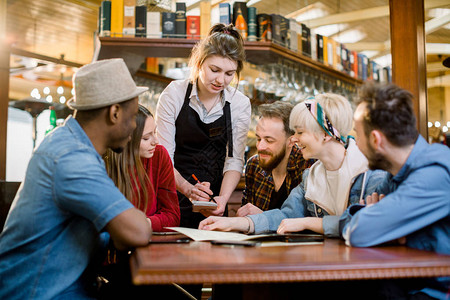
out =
column 8, row 190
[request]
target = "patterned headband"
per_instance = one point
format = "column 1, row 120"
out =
column 316, row 110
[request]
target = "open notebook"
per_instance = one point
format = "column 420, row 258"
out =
column 273, row 238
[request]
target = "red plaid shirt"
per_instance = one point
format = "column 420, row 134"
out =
column 259, row 184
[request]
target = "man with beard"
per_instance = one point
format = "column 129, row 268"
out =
column 416, row 208
column 271, row 174
column 53, row 231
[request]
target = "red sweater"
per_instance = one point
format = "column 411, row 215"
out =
column 165, row 211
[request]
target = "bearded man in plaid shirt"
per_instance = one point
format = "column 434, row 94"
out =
column 277, row 168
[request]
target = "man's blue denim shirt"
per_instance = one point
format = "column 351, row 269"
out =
column 53, row 228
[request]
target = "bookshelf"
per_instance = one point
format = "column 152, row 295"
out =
column 133, row 50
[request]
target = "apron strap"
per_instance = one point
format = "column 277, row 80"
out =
column 227, row 113
column 188, row 94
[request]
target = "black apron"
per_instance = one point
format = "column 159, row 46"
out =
column 200, row 150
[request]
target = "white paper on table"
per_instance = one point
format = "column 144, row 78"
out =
column 206, row 235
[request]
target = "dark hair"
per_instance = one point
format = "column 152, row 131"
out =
column 389, row 109
column 86, row 116
column 223, row 40
column 89, row 115
column 279, row 110
column 120, row 166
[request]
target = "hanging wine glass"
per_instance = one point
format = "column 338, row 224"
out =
column 282, row 87
column 314, row 89
column 260, row 84
column 271, row 85
column 291, row 90
column 305, row 88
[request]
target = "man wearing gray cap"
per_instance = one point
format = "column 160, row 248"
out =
column 55, row 224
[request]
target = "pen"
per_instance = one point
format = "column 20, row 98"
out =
column 198, row 181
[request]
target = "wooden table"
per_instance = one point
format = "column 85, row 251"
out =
column 201, row 262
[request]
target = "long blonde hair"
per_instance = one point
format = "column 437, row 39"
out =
column 126, row 168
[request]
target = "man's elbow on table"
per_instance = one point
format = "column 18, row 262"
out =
column 357, row 237
column 129, row 229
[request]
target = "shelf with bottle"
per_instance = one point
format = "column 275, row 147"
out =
column 133, row 50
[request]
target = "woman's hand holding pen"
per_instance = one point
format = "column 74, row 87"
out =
column 204, row 193
column 200, row 192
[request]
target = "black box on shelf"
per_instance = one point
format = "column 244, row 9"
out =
column 168, row 24
column 319, row 38
column 141, row 21
column 284, row 31
column 306, row 40
column 180, row 20
column 276, row 29
column 105, row 18
column 264, row 27
column 252, row 24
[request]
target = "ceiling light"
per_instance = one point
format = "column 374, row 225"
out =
column 430, row 124
column 329, row 30
column 34, row 93
column 444, row 129
column 49, row 99
column 370, row 53
column 313, row 11
column 251, row 2
column 383, row 61
column 62, row 99
column 46, row 90
column 350, row 36
column 437, row 124
column 60, row 90
column 438, row 12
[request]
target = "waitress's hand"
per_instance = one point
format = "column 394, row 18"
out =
column 221, row 204
column 200, row 192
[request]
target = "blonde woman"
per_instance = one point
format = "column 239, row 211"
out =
column 338, row 178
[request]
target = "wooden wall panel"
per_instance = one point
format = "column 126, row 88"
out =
column 4, row 100
column 408, row 54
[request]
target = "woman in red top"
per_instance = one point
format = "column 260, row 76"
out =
column 143, row 172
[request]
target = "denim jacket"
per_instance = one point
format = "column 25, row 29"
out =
column 297, row 206
column 52, row 232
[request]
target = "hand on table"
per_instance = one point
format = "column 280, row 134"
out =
column 224, row 224
column 291, row 225
column 248, row 209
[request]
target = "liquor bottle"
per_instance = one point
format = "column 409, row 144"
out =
column 241, row 24
column 52, row 120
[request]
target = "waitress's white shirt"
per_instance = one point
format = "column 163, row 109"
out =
column 170, row 104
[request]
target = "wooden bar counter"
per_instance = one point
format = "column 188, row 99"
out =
column 199, row 262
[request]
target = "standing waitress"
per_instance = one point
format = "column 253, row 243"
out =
column 203, row 123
